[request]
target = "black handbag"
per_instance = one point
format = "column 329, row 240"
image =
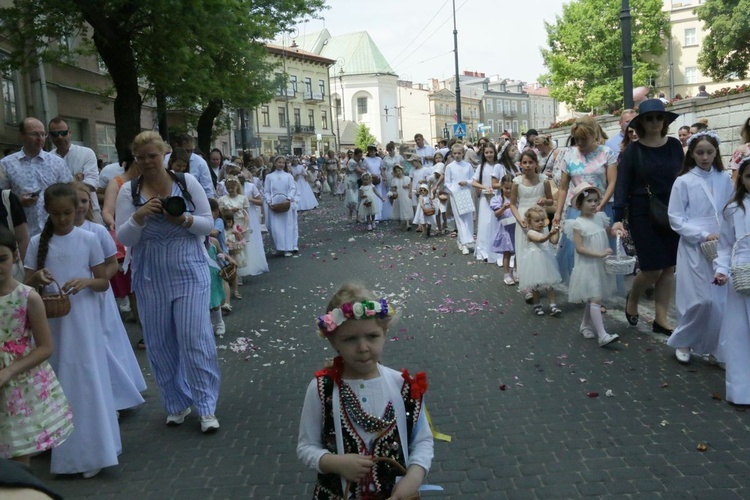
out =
column 658, row 211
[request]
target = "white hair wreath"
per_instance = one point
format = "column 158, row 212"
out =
column 702, row 133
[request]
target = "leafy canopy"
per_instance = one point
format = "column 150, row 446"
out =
column 725, row 49
column 584, row 51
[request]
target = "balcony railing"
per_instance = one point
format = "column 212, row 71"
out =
column 313, row 96
column 284, row 94
column 304, row 129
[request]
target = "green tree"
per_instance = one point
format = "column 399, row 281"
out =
column 363, row 137
column 725, row 50
column 584, row 55
column 195, row 55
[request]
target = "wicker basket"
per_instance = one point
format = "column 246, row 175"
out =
column 393, row 195
column 710, row 249
column 56, row 305
column 391, row 462
column 428, row 212
column 228, row 272
column 740, row 273
column 619, row 263
column 443, row 197
column 281, row 207
column 368, row 203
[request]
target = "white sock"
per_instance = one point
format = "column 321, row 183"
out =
column 596, row 319
column 586, row 321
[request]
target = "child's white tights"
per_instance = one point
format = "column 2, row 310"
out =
column 595, row 313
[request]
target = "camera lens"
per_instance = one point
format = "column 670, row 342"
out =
column 174, row 206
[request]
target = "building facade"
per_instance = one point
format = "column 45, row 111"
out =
column 413, row 111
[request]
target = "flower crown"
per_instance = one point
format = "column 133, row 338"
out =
column 366, row 309
column 702, row 133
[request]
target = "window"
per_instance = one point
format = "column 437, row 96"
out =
column 338, row 106
column 506, row 106
column 515, row 126
column 322, row 86
column 324, row 119
column 691, row 37
column 105, row 142
column 525, row 125
column 308, row 85
column 293, row 82
column 10, row 109
column 362, row 105
column 499, row 106
column 265, row 116
column 297, row 117
column 491, row 125
column 311, row 117
column 508, row 125
column 514, row 106
column 488, row 106
column 691, row 75
column 282, row 117
column 524, row 109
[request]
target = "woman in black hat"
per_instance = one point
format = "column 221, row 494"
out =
column 647, row 170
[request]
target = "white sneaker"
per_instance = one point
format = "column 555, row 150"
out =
column 682, row 354
column 369, row 227
column 287, row 254
column 124, row 305
column 91, row 473
column 464, row 250
column 220, row 329
column 178, row 418
column 607, row 338
column 508, row 280
column 587, row 332
column 209, row 424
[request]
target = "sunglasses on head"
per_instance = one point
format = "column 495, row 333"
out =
column 655, row 117
column 59, row 133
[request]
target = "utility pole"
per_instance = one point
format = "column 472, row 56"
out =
column 455, row 50
column 627, row 56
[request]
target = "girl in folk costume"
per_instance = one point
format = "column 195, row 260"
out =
column 589, row 281
column 529, row 190
column 400, row 196
column 541, row 271
column 734, row 250
column 34, row 414
column 357, row 410
column 426, row 210
column 486, row 220
column 255, row 254
column 279, row 189
column 73, row 257
column 438, row 172
column 124, row 372
column 368, row 206
column 306, row 199
column 698, row 195
column 503, row 243
column 458, row 175
column 354, row 171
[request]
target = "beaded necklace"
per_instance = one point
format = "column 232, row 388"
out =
column 370, row 423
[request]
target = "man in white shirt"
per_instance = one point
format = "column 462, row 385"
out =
column 80, row 160
column 424, row 151
column 198, row 166
column 32, row 170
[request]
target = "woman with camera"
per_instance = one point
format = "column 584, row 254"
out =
column 280, row 192
column 165, row 217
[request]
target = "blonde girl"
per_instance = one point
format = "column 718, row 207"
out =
column 401, row 188
column 236, row 202
column 438, row 172
column 368, row 207
column 541, row 269
column 425, row 205
column 502, row 242
column 236, row 244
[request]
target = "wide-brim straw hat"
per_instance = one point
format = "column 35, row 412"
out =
column 653, row 106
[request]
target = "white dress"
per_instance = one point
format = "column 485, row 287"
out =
column 697, row 199
column 734, row 338
column 124, row 371
column 402, row 208
column 352, row 189
column 306, row 199
column 589, row 279
column 374, row 165
column 80, row 358
column 255, row 254
column 282, row 227
column 542, row 271
column 486, row 220
column 527, row 198
column 241, row 204
column 419, row 216
column 438, row 170
column 456, row 172
column 368, row 192
column 419, row 176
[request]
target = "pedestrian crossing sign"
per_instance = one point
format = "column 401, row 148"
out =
column 459, row 130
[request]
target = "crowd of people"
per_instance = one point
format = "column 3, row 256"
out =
column 171, row 236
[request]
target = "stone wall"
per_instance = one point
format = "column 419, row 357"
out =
column 725, row 115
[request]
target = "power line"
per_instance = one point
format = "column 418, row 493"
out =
column 406, row 47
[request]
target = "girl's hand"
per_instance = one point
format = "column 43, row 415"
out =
column 75, row 285
column 462, row 183
column 505, row 206
column 522, row 223
column 353, row 467
column 606, row 253
column 712, row 237
column 43, row 276
column 542, row 202
column 556, row 219
column 555, row 230
column 151, row 207
column 618, row 227
column 720, row 279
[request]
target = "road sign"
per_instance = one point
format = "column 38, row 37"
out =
column 459, row 130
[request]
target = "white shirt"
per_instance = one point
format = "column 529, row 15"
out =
column 108, row 173
column 427, row 153
column 82, row 160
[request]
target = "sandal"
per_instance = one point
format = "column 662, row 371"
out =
column 538, row 310
column 237, row 295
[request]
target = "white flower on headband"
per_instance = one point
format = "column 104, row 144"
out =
column 703, row 133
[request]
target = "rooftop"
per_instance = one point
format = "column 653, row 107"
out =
column 355, row 53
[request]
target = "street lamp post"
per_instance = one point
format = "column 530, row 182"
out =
column 627, row 55
column 455, row 50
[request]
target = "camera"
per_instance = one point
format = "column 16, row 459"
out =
column 174, row 205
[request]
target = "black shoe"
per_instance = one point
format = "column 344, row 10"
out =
column 427, row 234
column 632, row 319
column 142, row 344
column 657, row 328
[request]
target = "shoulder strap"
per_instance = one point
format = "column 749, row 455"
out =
column 6, row 204
column 177, row 177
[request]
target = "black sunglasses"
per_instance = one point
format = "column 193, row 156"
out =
column 59, row 133
column 656, row 117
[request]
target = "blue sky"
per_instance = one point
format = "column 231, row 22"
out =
column 416, row 36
